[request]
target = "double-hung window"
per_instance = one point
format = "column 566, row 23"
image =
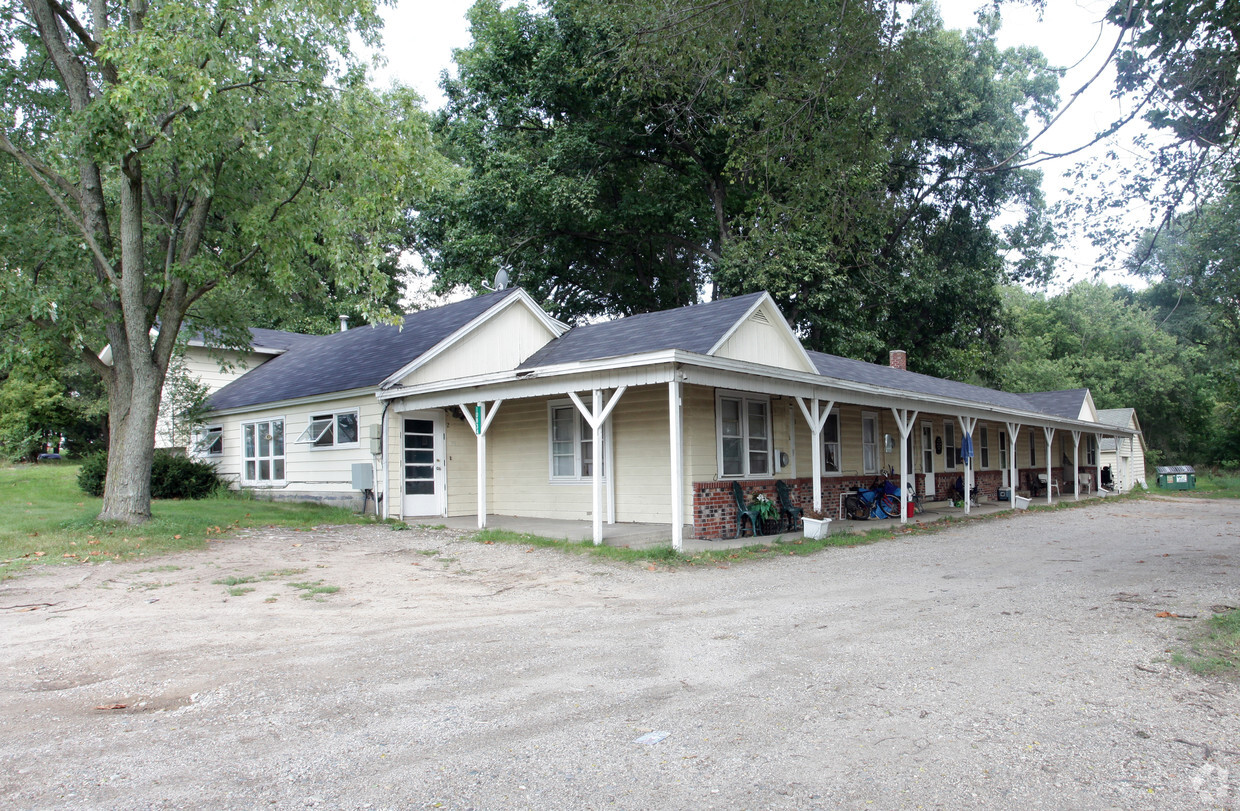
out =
column 869, row 443
column 984, row 446
column 572, row 443
column 331, row 430
column 1003, row 450
column 1033, row 450
column 744, row 430
column 1091, row 451
column 949, row 445
column 262, row 451
column 831, row 443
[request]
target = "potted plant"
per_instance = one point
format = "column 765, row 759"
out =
column 767, row 510
column 815, row 525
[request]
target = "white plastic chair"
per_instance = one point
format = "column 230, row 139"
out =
column 1054, row 485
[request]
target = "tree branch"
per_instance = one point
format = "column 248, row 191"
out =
column 32, row 168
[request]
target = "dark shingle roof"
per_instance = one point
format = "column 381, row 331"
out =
column 359, row 358
column 1066, row 403
column 278, row 338
column 1116, row 416
column 693, row 329
column 874, row 374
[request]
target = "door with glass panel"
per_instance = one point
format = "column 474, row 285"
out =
column 422, row 442
column 927, row 459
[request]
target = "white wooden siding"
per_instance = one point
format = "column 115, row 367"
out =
column 499, row 344
column 200, row 364
column 307, row 469
column 763, row 339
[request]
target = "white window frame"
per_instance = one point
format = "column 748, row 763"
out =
column 1003, row 450
column 271, row 457
column 582, row 453
column 1091, row 451
column 1033, row 449
column 983, row 445
column 951, row 450
column 927, row 447
column 829, row 447
column 744, row 399
column 323, row 429
column 210, row 436
column 869, row 450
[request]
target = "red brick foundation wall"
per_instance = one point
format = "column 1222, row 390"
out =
column 714, row 509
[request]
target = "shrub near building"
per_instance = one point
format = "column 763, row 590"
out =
column 172, row 476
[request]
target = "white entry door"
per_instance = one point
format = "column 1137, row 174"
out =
column 423, row 464
column 927, row 458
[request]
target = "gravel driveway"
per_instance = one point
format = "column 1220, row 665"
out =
column 1013, row 663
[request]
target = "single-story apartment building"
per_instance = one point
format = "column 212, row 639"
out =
column 491, row 406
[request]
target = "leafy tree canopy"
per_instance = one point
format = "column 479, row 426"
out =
column 167, row 161
column 1101, row 337
column 1177, row 68
column 618, row 158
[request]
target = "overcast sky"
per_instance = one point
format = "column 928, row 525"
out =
column 420, row 35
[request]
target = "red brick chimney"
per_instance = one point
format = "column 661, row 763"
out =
column 899, row 359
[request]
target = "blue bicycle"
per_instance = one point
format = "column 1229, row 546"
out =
column 880, row 500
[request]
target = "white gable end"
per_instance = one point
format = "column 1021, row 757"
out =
column 498, row 344
column 764, row 337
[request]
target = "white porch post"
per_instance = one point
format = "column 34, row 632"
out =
column 678, row 462
column 1050, row 434
column 817, row 418
column 481, row 421
column 1076, row 465
column 596, row 416
column 967, row 424
column 1119, row 465
column 904, row 421
column 1013, row 433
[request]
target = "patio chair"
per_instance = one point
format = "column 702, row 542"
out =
column 1053, row 485
column 743, row 511
column 786, row 507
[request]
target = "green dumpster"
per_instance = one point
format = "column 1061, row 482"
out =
column 1177, row 477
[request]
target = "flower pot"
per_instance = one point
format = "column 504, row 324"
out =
column 816, row 528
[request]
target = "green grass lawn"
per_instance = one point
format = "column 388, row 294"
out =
column 1223, row 484
column 46, row 520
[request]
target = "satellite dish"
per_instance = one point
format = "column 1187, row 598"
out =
column 501, row 281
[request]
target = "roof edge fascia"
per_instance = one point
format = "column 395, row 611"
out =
column 683, row 357
column 557, row 370
column 557, row 328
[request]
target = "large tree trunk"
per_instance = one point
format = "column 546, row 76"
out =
column 131, row 440
column 137, row 376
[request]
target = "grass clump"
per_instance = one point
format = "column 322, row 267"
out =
column 47, row 520
column 1216, row 652
column 315, row 590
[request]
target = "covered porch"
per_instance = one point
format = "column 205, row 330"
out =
column 637, row 535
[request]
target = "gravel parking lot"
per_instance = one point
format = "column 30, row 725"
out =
column 1015, row 663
